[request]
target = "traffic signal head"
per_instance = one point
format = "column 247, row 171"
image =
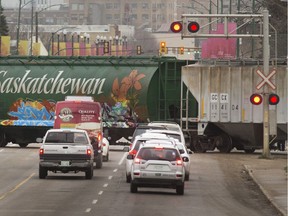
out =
column 163, row 47
column 256, row 99
column 181, row 50
column 139, row 50
column 176, row 27
column 274, row 99
column 193, row 27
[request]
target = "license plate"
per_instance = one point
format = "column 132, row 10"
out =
column 158, row 167
column 65, row 163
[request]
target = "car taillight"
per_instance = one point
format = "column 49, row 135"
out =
column 133, row 152
column 103, row 144
column 41, row 151
column 137, row 161
column 179, row 162
column 89, row 152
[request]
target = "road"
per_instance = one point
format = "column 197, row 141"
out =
column 218, row 186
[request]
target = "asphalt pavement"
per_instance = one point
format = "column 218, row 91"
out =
column 271, row 175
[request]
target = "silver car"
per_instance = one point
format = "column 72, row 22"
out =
column 135, row 147
column 158, row 165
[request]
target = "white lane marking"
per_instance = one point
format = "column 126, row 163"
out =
column 115, row 170
column 100, row 192
column 123, row 158
column 105, row 185
column 110, row 177
column 94, row 202
column 88, row 210
column 1, row 150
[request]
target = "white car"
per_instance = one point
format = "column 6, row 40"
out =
column 135, row 147
column 172, row 133
column 185, row 153
column 170, row 125
column 105, row 149
column 158, row 165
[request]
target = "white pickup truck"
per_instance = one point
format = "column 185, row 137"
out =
column 66, row 151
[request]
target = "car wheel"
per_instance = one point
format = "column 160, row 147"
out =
column 128, row 178
column 42, row 172
column 89, row 173
column 133, row 188
column 180, row 189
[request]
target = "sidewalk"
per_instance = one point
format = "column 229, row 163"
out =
column 271, row 177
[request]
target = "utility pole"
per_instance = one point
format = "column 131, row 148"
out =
column 18, row 27
column 31, row 44
column 266, row 57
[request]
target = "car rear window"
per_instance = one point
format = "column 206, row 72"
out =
column 158, row 154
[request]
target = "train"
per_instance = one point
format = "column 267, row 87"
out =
column 227, row 118
column 131, row 90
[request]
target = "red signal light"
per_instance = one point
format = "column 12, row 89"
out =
column 176, row 27
column 193, row 27
column 256, row 99
column 273, row 99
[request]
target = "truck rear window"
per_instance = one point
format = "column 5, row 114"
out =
column 66, row 137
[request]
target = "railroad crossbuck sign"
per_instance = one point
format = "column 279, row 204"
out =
column 266, row 80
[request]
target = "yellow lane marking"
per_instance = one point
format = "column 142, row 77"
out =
column 17, row 186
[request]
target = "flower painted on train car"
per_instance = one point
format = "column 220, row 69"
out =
column 129, row 84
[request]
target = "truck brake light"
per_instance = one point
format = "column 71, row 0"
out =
column 41, row 151
column 89, row 152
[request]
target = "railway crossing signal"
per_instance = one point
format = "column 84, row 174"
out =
column 177, row 27
column 274, row 99
column 193, row 27
column 256, row 99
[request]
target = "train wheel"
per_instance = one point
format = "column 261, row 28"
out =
column 3, row 141
column 223, row 143
column 198, row 147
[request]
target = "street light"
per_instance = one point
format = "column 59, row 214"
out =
column 18, row 23
column 36, row 17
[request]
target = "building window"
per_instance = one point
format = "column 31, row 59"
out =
column 145, row 17
column 81, row 7
column 109, row 18
column 109, row 6
column 116, row 5
column 74, row 6
column 134, row 5
column 145, row 6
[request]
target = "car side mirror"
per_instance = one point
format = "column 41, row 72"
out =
column 185, row 159
column 181, row 151
column 130, row 157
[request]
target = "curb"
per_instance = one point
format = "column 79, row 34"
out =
column 271, row 200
